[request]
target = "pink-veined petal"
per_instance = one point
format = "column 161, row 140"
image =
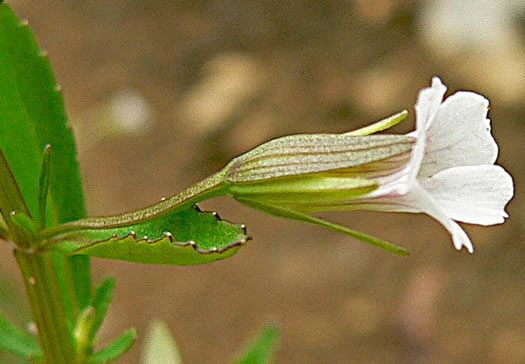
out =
column 427, row 105
column 459, row 135
column 472, row 194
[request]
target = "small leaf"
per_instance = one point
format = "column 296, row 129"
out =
column 260, row 350
column 100, row 302
column 181, row 237
column 21, row 228
column 18, row 342
column 91, row 317
column 82, row 332
column 160, row 346
column 115, row 349
column 43, row 186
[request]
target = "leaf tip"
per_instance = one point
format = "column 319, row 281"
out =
column 399, row 250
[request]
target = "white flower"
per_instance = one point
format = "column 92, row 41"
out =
column 445, row 169
column 451, row 175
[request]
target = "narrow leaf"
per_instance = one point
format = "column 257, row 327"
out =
column 18, row 342
column 160, row 346
column 295, row 215
column 12, row 203
column 100, row 302
column 81, row 279
column 115, row 349
column 43, row 186
column 82, row 333
column 261, row 348
column 181, row 237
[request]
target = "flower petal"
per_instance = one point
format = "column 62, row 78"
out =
column 459, row 236
column 417, row 200
column 459, row 135
column 421, row 200
column 427, row 105
column 473, row 194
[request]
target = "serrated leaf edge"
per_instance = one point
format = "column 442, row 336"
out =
column 169, row 235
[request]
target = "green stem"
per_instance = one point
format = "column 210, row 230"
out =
column 39, row 274
column 42, row 288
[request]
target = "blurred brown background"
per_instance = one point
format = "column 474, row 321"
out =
column 163, row 93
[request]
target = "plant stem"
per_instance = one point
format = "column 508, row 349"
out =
column 42, row 289
column 39, row 274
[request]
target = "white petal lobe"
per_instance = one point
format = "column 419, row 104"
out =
column 419, row 200
column 472, row 194
column 428, row 102
column 459, row 135
column 427, row 105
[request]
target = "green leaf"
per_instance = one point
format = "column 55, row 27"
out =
column 115, row 349
column 260, row 350
column 82, row 333
column 100, row 302
column 81, row 279
column 90, row 319
column 13, row 208
column 182, row 237
column 33, row 116
column 43, row 186
column 18, row 342
column 160, row 346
